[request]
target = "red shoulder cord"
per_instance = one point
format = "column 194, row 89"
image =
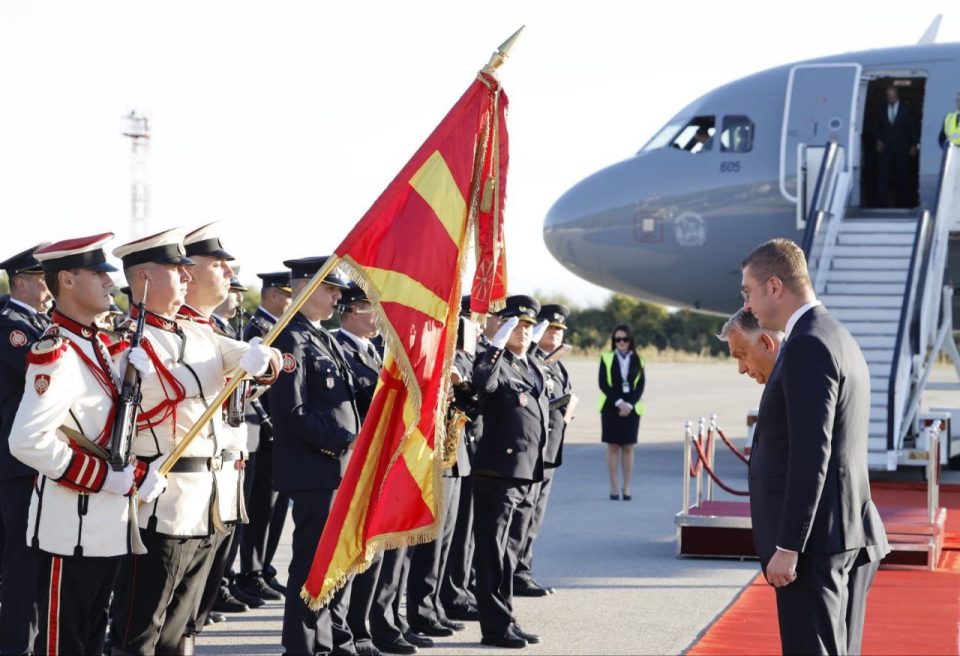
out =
column 173, row 390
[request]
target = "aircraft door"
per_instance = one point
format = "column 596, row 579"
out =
column 820, row 106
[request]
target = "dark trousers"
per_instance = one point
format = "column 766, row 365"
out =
column 18, row 567
column 495, row 509
column 362, row 596
column 222, row 550
column 542, row 491
column 427, row 563
column 455, row 586
column 386, row 623
column 307, row 631
column 267, row 511
column 822, row 611
column 73, row 595
column 158, row 592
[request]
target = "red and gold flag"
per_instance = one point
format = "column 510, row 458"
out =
column 408, row 252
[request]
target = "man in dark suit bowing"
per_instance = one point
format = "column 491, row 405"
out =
column 815, row 528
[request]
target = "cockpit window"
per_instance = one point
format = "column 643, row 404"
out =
column 737, row 134
column 694, row 135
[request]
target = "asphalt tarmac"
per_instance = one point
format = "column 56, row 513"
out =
column 620, row 589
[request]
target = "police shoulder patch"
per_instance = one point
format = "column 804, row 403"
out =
column 18, row 338
column 289, row 363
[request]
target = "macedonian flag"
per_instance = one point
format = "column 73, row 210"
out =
column 408, row 252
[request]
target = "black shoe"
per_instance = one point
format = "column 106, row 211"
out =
column 453, row 626
column 433, row 629
column 419, row 640
column 626, row 497
column 243, row 596
column 255, row 586
column 528, row 588
column 464, row 613
column 398, row 646
column 614, row 497
column 367, row 648
column 531, row 638
column 227, row 603
column 276, row 585
column 510, row 640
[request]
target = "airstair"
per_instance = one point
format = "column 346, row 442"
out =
column 882, row 274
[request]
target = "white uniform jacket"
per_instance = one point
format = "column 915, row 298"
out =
column 71, row 381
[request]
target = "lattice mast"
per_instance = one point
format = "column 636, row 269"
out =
column 137, row 129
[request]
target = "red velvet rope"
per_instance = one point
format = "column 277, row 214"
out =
column 743, row 457
column 703, row 462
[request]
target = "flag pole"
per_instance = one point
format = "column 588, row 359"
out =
column 238, row 374
column 502, row 53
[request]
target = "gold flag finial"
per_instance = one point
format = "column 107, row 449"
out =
column 500, row 56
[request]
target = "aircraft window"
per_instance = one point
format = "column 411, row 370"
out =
column 737, row 135
column 696, row 136
column 663, row 138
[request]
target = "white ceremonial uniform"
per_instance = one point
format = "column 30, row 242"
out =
column 69, row 516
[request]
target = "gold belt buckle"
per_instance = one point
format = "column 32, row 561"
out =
column 216, row 463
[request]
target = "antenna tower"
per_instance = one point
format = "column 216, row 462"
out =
column 137, row 129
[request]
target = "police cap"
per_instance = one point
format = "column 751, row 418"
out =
column 307, row 267
column 523, row 307
column 556, row 314
column 278, row 279
column 23, row 262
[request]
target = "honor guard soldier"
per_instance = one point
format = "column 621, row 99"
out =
column 358, row 325
column 22, row 321
column 209, row 288
column 509, row 461
column 548, row 350
column 183, row 366
column 266, row 508
column 456, row 596
column 81, row 517
column 315, row 421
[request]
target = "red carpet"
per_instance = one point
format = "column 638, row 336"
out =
column 908, row 612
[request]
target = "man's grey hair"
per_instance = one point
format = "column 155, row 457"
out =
column 747, row 324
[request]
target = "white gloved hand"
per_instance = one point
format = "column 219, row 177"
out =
column 539, row 329
column 500, row 340
column 118, row 482
column 140, row 361
column 257, row 358
column 153, row 483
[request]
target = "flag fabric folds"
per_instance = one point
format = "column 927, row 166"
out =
column 408, row 252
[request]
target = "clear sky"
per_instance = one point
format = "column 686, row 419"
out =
column 285, row 120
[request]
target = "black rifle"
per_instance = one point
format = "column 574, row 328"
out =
column 234, row 413
column 128, row 407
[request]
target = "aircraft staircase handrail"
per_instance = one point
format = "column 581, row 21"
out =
column 927, row 333
column 901, row 368
column 818, row 209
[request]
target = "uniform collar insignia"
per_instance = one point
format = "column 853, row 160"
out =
column 155, row 320
column 87, row 332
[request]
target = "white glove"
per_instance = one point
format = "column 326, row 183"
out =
column 153, row 483
column 140, row 361
column 500, row 340
column 539, row 329
column 118, row 482
column 257, row 358
column 623, row 405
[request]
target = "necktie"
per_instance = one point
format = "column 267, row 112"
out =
column 534, row 376
column 892, row 113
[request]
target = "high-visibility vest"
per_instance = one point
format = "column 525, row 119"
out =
column 951, row 128
column 606, row 358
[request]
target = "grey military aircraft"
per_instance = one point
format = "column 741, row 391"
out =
column 672, row 223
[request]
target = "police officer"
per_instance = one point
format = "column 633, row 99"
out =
column 183, row 365
column 22, row 321
column 266, row 508
column 315, row 421
column 455, row 591
column 358, row 325
column 81, row 518
column 509, row 460
column 559, row 392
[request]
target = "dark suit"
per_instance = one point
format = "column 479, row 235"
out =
column 315, row 421
column 508, row 462
column 19, row 329
column 895, row 186
column 809, row 488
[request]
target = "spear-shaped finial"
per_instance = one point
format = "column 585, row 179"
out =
column 500, row 56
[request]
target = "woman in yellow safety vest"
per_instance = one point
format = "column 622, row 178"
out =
column 621, row 386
